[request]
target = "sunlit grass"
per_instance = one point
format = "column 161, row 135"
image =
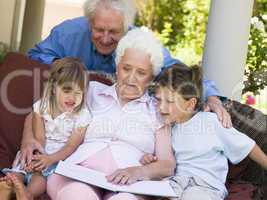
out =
column 262, row 107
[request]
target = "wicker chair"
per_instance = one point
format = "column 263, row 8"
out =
column 253, row 123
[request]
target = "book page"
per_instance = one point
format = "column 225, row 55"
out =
column 93, row 177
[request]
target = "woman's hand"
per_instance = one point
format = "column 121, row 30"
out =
column 41, row 162
column 214, row 104
column 125, row 176
column 148, row 158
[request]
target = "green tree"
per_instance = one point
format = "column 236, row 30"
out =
column 256, row 67
column 181, row 24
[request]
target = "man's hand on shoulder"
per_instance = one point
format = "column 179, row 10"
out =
column 214, row 104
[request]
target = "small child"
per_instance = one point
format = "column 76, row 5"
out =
column 60, row 120
column 202, row 146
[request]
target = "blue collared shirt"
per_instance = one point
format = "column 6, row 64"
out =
column 73, row 38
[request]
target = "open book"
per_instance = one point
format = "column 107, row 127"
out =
column 77, row 172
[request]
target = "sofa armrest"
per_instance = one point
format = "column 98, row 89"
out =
column 21, row 82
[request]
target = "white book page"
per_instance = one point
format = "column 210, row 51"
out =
column 83, row 174
column 154, row 188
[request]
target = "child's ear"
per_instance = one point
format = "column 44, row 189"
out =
column 192, row 104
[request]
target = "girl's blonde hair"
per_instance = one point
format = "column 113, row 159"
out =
column 64, row 73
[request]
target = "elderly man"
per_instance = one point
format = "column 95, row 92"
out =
column 93, row 39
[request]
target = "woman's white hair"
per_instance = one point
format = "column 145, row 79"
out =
column 126, row 7
column 144, row 40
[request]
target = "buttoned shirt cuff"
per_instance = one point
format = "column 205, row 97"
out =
column 209, row 89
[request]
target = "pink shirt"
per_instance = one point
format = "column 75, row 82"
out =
column 129, row 130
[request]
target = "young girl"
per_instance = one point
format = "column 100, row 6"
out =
column 60, row 120
column 202, row 146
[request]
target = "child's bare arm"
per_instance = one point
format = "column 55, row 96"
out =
column 76, row 138
column 39, row 135
column 258, row 156
column 38, row 128
column 74, row 141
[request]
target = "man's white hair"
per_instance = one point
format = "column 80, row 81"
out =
column 144, row 40
column 126, row 7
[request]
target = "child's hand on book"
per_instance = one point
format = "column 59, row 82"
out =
column 148, row 158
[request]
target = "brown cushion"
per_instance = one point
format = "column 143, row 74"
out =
column 241, row 191
column 237, row 171
column 102, row 77
column 21, row 81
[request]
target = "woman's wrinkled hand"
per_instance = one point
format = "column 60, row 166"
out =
column 125, row 176
column 148, row 158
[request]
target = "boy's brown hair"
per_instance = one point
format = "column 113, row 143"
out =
column 186, row 81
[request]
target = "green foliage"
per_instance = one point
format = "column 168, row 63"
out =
column 256, row 67
column 194, row 20
column 157, row 14
column 3, row 51
column 181, row 24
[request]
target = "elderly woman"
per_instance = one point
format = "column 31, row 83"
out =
column 125, row 126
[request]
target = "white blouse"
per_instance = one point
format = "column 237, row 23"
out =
column 129, row 130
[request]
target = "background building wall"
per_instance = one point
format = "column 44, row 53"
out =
column 42, row 15
column 7, row 10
